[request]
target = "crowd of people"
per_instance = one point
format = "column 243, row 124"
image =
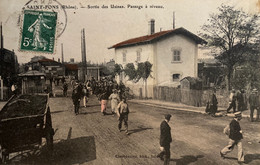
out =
column 237, row 101
column 108, row 90
column 105, row 90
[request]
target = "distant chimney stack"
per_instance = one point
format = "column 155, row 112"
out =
column 2, row 37
column 151, row 26
column 173, row 21
column 62, row 56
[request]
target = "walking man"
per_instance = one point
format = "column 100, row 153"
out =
column 213, row 103
column 240, row 100
column 254, row 104
column 235, row 138
column 232, row 101
column 123, row 112
column 65, row 89
column 76, row 100
column 244, row 98
column 165, row 140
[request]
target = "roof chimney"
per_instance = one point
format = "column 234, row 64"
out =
column 151, row 27
column 173, row 21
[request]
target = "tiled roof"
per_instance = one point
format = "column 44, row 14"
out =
column 45, row 60
column 192, row 80
column 157, row 36
column 49, row 62
column 71, row 66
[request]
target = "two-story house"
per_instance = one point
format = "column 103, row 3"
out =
column 173, row 53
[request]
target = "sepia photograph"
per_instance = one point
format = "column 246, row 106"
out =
column 130, row 82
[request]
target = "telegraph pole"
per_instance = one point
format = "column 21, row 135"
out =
column 62, row 55
column 1, row 62
column 83, row 51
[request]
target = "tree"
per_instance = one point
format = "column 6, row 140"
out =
column 118, row 70
column 233, row 35
column 246, row 77
column 143, row 72
column 247, row 74
column 130, row 71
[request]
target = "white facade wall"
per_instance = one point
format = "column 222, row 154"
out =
column 166, row 67
column 160, row 54
column 131, row 54
column 147, row 54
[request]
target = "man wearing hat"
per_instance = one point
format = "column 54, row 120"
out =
column 165, row 140
column 254, row 104
column 76, row 100
column 235, row 138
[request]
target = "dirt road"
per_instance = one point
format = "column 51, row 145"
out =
column 92, row 139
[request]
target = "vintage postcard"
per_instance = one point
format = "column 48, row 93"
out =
column 130, row 82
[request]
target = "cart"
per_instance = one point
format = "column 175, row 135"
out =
column 24, row 121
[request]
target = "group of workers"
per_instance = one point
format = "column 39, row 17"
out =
column 109, row 90
column 105, row 90
column 238, row 102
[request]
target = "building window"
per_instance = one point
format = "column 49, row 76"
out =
column 176, row 77
column 124, row 57
column 138, row 56
column 176, row 55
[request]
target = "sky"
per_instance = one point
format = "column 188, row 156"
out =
column 105, row 27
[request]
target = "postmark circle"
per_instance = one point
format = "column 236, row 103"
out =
column 50, row 6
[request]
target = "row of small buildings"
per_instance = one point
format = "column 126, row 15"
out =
column 57, row 69
column 41, row 72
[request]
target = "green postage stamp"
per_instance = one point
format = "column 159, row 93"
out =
column 38, row 31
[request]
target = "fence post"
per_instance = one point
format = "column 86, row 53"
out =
column 140, row 93
column 154, row 93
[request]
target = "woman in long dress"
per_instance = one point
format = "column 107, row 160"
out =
column 85, row 96
column 114, row 97
column 103, row 102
